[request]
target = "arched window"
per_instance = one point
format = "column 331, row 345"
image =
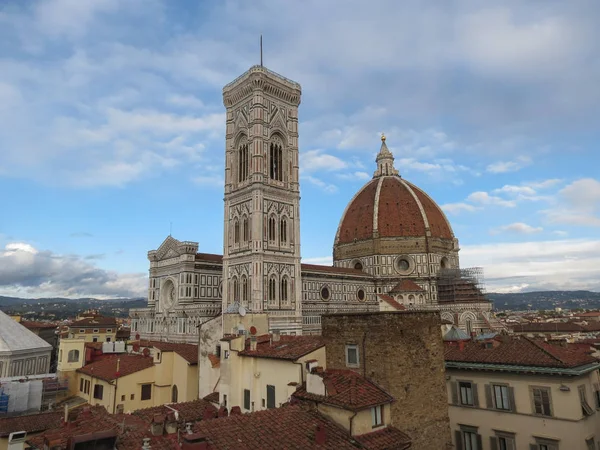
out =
column 245, row 235
column 358, row 265
column 244, row 290
column 276, row 162
column 284, row 290
column 272, row 291
column 174, row 394
column 283, row 231
column 236, row 232
column 73, row 356
column 271, row 229
column 236, row 290
column 243, row 163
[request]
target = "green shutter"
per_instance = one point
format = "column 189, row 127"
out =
column 511, row 399
column 493, row 443
column 489, row 403
column 475, row 394
column 454, row 392
column 459, row 440
column 479, row 442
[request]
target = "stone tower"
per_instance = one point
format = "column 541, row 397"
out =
column 261, row 249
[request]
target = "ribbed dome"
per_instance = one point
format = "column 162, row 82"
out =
column 389, row 206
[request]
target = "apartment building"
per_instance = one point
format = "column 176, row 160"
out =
column 514, row 393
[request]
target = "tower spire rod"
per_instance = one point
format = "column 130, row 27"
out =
column 261, row 51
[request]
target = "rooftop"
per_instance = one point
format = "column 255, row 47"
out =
column 390, row 301
column 189, row 352
column 31, row 423
column 406, row 286
column 287, row 347
column 346, row 389
column 289, row 427
column 188, row 411
column 15, row 337
column 95, row 321
column 385, row 439
column 517, row 351
column 106, row 369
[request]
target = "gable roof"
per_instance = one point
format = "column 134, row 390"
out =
column 189, row 352
column 15, row 337
column 385, row 439
column 287, row 347
column 390, row 301
column 98, row 321
column 191, row 411
column 106, row 369
column 31, row 423
column 518, row 351
column 285, row 428
column 406, row 286
column 346, row 389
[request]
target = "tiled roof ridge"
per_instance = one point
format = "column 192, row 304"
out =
column 547, row 352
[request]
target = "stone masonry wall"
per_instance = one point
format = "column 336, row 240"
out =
column 402, row 352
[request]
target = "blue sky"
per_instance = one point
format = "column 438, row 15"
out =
column 112, row 128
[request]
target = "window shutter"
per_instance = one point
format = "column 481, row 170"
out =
column 459, row 441
column 488, row 396
column 510, row 444
column 511, row 399
column 533, row 447
column 479, row 442
column 493, row 443
column 454, row 392
column 475, row 394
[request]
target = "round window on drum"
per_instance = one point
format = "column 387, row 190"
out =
column 360, row 294
column 325, row 293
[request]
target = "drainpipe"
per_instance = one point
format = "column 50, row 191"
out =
column 301, row 371
column 351, row 419
column 364, row 355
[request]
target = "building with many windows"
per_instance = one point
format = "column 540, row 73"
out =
column 520, row 393
column 392, row 239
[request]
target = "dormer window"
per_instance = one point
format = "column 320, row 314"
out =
column 377, row 416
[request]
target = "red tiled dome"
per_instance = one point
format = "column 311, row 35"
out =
column 389, row 206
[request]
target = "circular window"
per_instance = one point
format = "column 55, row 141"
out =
column 404, row 264
column 361, row 294
column 325, row 294
column 358, row 265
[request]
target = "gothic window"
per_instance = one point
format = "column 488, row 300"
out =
column 276, row 162
column 283, row 231
column 284, row 290
column 244, row 290
column 272, row 291
column 236, row 290
column 245, row 230
column 236, row 232
column 243, row 163
column 271, row 228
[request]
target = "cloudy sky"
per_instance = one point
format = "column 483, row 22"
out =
column 112, row 128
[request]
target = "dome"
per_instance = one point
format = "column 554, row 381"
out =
column 390, row 207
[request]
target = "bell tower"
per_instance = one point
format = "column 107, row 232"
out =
column 261, row 248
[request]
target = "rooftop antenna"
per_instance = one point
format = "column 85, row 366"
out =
column 261, row 53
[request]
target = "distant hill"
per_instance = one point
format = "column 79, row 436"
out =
column 62, row 308
column 546, row 300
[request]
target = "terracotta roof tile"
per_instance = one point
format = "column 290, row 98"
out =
column 32, row 324
column 286, row 428
column 189, row 352
column 519, row 351
column 406, row 286
column 385, row 439
column 212, row 257
column 106, row 369
column 390, row 301
column 347, row 389
column 97, row 321
column 31, row 423
column 357, row 222
column 288, row 347
column 548, row 327
column 213, row 397
column 188, row 411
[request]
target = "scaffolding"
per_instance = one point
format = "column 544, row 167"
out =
column 461, row 285
column 29, row 394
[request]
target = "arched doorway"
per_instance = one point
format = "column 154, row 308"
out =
column 174, row 394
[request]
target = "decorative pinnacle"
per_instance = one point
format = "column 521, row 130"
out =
column 385, row 161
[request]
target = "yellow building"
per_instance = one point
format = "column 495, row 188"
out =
column 157, row 373
column 519, row 393
column 94, row 329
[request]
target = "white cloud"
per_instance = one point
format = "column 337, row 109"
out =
column 483, row 198
column 509, row 166
column 354, row 176
column 326, row 187
column 188, row 101
column 560, row 264
column 317, row 160
column 320, row 260
column 28, row 272
column 519, row 228
column 456, row 208
column 215, row 181
column 578, row 204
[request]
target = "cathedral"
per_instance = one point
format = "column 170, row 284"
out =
column 394, row 248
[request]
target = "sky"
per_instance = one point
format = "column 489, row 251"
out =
column 112, row 129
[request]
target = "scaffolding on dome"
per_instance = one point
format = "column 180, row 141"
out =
column 461, row 285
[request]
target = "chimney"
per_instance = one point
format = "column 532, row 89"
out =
column 188, row 428
column 253, row 343
column 66, row 417
column 320, row 435
column 236, row 411
column 195, row 441
column 275, row 335
column 171, row 424
column 461, row 345
column 146, row 445
column 158, row 425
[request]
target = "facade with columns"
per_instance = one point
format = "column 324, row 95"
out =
column 393, row 240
